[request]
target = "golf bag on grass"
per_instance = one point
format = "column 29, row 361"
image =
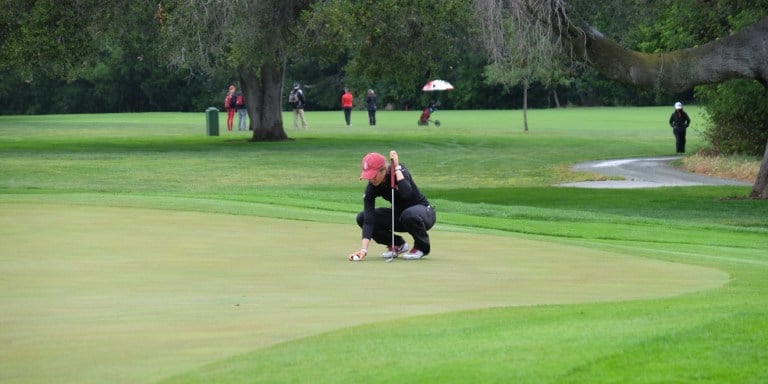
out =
column 425, row 117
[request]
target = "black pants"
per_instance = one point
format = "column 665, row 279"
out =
column 347, row 114
column 372, row 116
column 415, row 220
column 679, row 140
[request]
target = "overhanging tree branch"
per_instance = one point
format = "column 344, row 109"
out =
column 741, row 55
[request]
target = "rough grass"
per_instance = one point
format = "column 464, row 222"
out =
column 732, row 167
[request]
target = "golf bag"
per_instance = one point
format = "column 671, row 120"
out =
column 425, row 117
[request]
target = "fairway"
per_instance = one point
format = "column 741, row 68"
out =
column 94, row 294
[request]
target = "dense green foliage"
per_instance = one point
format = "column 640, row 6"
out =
column 127, row 72
column 120, row 80
column 737, row 114
column 394, row 45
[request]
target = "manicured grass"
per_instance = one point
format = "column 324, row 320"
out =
column 138, row 294
column 486, row 176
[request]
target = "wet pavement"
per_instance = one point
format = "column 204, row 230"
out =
column 650, row 172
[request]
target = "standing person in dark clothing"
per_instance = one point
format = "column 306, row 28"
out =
column 370, row 104
column 413, row 213
column 679, row 121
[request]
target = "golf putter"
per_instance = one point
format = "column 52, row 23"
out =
column 392, row 188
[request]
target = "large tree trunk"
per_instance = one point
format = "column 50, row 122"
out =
column 760, row 189
column 263, row 94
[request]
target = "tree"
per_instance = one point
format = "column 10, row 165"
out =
column 48, row 35
column 518, row 55
column 253, row 37
column 86, row 56
column 508, row 75
column 739, row 55
column 63, row 38
column 401, row 43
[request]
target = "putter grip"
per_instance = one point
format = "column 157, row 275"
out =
column 391, row 173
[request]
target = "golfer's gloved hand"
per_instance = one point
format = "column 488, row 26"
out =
column 357, row 256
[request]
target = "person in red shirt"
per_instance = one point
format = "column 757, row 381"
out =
column 346, row 105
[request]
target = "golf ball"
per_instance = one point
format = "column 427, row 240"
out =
column 355, row 258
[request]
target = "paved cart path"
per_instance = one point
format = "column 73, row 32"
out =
column 650, row 172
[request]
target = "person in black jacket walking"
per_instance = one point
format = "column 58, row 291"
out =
column 413, row 213
column 679, row 121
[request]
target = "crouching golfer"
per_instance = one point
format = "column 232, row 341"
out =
column 412, row 212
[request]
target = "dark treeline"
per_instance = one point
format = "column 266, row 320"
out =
column 132, row 82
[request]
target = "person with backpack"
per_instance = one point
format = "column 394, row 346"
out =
column 229, row 106
column 296, row 99
column 241, row 111
column 346, row 105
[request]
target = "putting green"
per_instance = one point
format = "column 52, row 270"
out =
column 93, row 294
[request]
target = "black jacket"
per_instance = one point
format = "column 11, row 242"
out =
column 407, row 194
column 370, row 102
column 679, row 120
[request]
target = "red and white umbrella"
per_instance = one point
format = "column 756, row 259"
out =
column 437, row 85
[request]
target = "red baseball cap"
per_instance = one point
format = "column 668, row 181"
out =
column 372, row 162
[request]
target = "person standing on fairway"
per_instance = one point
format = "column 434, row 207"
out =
column 229, row 106
column 679, row 121
column 296, row 99
column 242, row 112
column 370, row 104
column 412, row 211
column 346, row 105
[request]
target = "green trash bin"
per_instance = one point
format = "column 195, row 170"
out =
column 212, row 121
